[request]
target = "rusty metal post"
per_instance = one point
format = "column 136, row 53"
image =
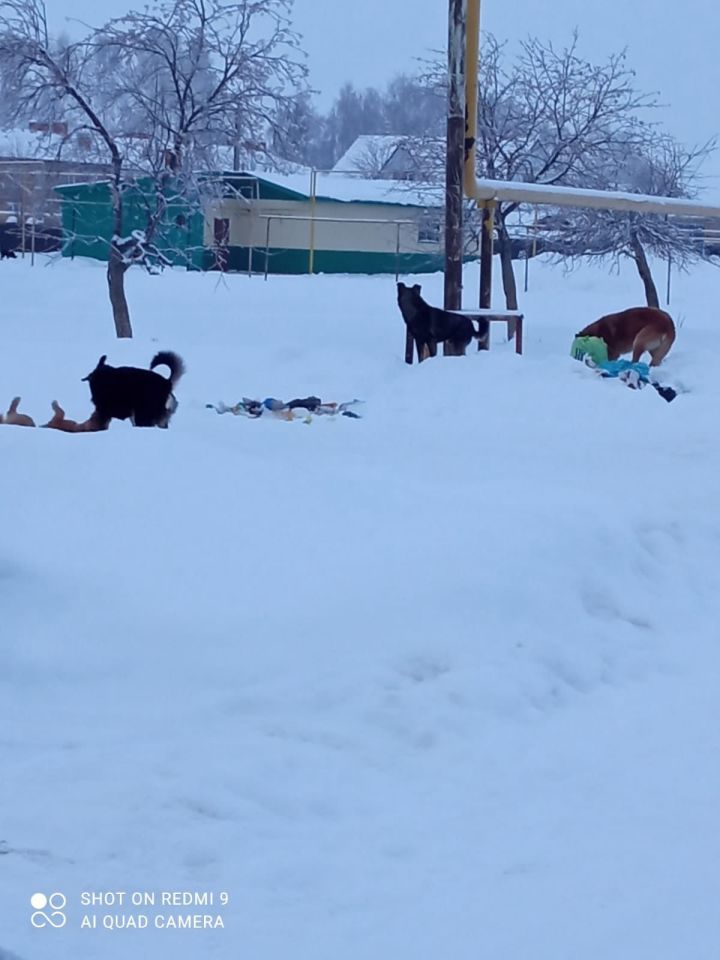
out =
column 486, row 257
column 486, row 254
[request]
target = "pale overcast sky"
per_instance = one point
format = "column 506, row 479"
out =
column 672, row 46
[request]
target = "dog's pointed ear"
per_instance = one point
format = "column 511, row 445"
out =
column 100, row 363
column 417, row 288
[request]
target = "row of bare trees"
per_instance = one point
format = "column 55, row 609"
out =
column 158, row 90
column 546, row 115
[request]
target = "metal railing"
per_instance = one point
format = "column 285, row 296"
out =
column 398, row 224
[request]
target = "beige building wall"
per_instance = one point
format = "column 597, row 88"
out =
column 248, row 226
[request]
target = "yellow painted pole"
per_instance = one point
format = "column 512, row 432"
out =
column 472, row 56
column 535, row 229
column 313, row 193
column 470, row 186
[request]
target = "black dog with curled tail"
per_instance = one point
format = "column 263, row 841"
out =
column 142, row 396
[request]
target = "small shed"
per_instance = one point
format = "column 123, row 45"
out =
column 242, row 221
column 87, row 220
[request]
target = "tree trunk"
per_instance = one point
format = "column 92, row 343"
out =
column 638, row 255
column 116, row 265
column 508, row 275
column 116, row 287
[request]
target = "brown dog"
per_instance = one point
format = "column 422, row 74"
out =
column 18, row 419
column 637, row 329
column 60, row 422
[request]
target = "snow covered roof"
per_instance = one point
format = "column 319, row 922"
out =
column 28, row 144
column 223, row 157
column 297, row 186
column 334, row 186
column 378, row 146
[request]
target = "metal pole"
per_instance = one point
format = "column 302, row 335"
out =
column 667, row 297
column 535, row 229
column 397, row 253
column 486, row 258
column 455, row 155
column 22, row 222
column 267, row 246
column 313, row 191
column 472, row 60
column 486, row 253
column 256, row 197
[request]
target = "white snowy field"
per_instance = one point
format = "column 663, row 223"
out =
column 438, row 683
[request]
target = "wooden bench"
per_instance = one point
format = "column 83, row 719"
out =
column 481, row 313
column 506, row 316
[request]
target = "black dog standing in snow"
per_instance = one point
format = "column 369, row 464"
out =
column 429, row 326
column 143, row 396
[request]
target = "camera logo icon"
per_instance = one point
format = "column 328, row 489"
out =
column 48, row 911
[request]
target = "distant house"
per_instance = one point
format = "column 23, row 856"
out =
column 40, row 141
column 381, row 157
column 250, row 223
column 33, row 161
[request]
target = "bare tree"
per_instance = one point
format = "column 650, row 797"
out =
column 199, row 73
column 411, row 109
column 397, row 157
column 38, row 73
column 194, row 77
column 159, row 89
column 663, row 168
column 298, row 135
column 406, row 107
column 374, row 154
column 548, row 117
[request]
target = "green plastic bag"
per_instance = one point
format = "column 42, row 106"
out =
column 593, row 347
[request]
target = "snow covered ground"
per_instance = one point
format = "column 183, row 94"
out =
column 437, row 683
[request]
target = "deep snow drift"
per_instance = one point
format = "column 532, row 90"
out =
column 440, row 682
